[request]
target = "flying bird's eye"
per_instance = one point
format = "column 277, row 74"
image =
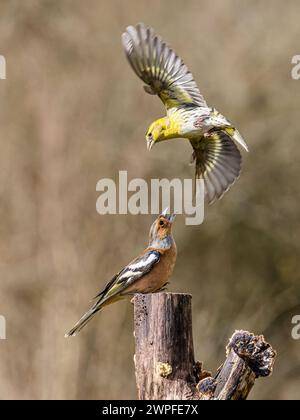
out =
column 161, row 223
column 150, row 135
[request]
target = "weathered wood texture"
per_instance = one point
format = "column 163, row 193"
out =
column 164, row 360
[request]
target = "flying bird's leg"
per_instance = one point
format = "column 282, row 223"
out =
column 207, row 135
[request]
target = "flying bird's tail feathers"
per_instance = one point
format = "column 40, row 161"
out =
column 217, row 162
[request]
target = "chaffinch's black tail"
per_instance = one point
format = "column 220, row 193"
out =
column 83, row 321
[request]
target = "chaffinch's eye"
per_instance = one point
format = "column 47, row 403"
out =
column 161, row 223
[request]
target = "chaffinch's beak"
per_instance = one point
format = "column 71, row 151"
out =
column 170, row 217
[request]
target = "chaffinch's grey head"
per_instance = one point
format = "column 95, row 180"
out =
column 160, row 235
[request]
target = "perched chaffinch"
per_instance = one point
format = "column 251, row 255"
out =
column 212, row 136
column 148, row 273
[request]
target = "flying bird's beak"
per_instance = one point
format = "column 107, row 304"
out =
column 170, row 217
column 150, row 144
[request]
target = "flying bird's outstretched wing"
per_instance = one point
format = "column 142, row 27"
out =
column 218, row 163
column 160, row 68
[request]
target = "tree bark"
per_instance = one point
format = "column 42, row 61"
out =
column 165, row 366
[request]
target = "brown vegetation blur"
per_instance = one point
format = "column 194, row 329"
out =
column 72, row 112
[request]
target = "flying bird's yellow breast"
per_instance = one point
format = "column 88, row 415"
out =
column 173, row 129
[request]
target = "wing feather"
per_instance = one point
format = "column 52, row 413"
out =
column 157, row 65
column 218, row 163
column 131, row 273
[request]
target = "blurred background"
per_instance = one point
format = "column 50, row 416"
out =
column 73, row 112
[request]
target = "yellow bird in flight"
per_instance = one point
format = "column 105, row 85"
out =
column 217, row 159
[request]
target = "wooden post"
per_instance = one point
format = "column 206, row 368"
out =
column 165, row 367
